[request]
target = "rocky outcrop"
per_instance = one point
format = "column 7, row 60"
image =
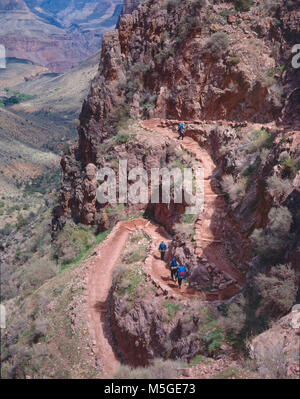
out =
column 146, row 70
column 147, row 332
column 128, row 7
column 276, row 350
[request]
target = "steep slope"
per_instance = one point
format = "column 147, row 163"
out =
column 226, row 73
column 56, row 93
column 56, row 35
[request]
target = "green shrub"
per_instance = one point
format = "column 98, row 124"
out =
column 21, row 221
column 18, row 98
column 70, row 242
column 188, row 218
column 136, row 255
column 243, row 5
column 234, row 61
column 217, row 44
column 172, row 308
column 210, row 331
column 128, row 281
column 290, row 166
column 250, row 169
column 260, row 139
column 122, row 138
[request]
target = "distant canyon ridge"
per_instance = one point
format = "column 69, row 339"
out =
column 56, row 34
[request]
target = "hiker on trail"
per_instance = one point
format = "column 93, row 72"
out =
column 181, row 274
column 162, row 249
column 173, row 267
column 180, row 130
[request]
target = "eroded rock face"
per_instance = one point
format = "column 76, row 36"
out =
column 277, row 349
column 158, row 65
column 144, row 333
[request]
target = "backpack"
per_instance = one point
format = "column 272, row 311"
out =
column 162, row 247
column 181, row 272
column 174, row 264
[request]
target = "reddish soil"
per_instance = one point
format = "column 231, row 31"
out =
column 209, row 244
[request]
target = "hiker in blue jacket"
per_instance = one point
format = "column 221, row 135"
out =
column 181, row 274
column 162, row 249
column 180, row 130
column 173, row 267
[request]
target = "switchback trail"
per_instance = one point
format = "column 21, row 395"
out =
column 209, row 244
column 99, row 280
column 209, row 224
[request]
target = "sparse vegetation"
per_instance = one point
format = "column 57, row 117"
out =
column 243, row 5
column 159, row 369
column 217, row 44
column 234, row 61
column 16, row 98
column 290, row 166
column 271, row 243
column 71, row 242
column 235, row 190
column 172, row 308
column 278, row 187
column 277, row 290
column 185, row 231
column 260, row 139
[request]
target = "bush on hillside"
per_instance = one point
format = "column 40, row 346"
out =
column 71, row 241
column 217, row 44
column 235, row 190
column 278, row 188
column 243, row 5
column 184, row 231
column 235, row 319
column 258, row 140
column 271, row 243
column 277, row 290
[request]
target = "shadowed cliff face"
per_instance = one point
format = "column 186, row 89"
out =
column 55, row 34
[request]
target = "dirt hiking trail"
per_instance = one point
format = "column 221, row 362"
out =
column 99, row 280
column 208, row 235
column 209, row 244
